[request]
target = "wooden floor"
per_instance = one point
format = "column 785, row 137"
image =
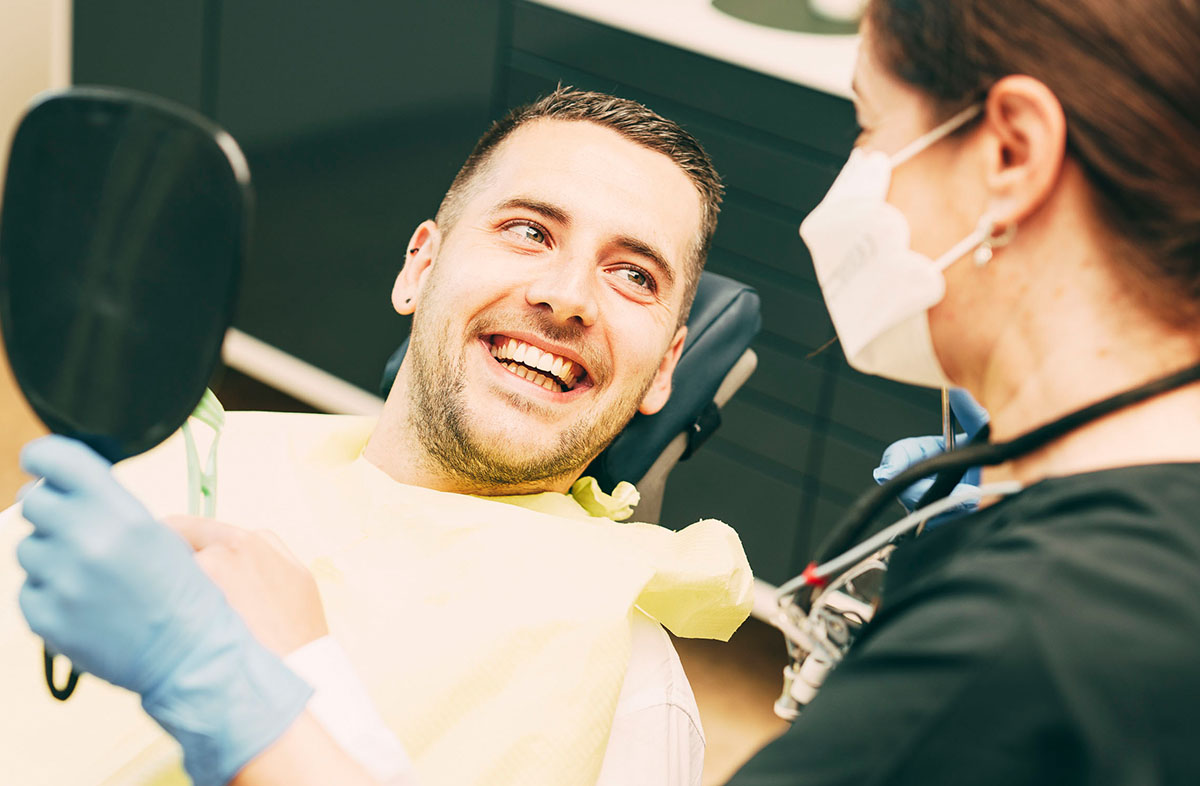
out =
column 736, row 684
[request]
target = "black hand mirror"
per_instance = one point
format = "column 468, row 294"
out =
column 122, row 233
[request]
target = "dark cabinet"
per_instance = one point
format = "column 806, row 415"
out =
column 354, row 117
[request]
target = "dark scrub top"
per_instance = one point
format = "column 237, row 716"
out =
column 1053, row 638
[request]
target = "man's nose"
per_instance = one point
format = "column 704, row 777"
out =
column 566, row 288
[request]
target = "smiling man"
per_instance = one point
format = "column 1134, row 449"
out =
column 500, row 644
column 567, row 253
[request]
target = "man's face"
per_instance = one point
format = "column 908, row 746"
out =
column 546, row 317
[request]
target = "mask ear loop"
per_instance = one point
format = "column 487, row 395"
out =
column 982, row 240
column 935, row 135
column 983, row 254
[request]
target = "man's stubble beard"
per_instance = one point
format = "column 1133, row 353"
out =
column 438, row 413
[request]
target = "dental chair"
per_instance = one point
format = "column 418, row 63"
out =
column 716, row 361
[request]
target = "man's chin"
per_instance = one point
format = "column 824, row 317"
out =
column 523, row 450
column 517, row 444
column 521, row 410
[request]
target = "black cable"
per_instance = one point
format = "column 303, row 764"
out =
column 854, row 523
column 945, row 481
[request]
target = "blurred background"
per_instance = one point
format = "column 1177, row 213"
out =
column 355, row 116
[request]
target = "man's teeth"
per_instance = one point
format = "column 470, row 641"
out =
column 534, row 377
column 559, row 371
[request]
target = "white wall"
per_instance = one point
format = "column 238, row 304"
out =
column 35, row 54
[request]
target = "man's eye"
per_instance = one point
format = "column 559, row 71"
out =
column 528, row 232
column 637, row 277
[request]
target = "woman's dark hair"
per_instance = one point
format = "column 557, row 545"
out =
column 1127, row 74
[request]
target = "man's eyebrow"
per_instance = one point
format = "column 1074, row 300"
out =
column 627, row 243
column 545, row 209
column 644, row 249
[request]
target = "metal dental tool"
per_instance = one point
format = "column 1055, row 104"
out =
column 842, row 597
column 838, row 613
column 948, row 423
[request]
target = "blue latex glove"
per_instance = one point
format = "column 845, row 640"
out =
column 904, row 453
column 123, row 597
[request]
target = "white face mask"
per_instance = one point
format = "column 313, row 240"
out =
column 877, row 289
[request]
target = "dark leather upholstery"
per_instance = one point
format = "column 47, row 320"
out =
column 725, row 318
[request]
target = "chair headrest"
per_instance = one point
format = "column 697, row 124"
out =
column 724, row 320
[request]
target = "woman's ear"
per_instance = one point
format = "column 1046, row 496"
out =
column 418, row 261
column 1029, row 140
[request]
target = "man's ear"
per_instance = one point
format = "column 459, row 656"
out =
column 418, row 260
column 660, row 389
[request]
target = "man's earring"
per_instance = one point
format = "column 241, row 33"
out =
column 407, row 300
column 984, row 253
column 412, row 251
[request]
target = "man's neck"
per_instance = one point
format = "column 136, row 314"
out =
column 395, row 448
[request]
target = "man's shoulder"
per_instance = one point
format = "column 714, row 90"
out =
column 656, row 734
column 655, row 676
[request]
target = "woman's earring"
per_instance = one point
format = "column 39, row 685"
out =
column 984, row 253
column 407, row 300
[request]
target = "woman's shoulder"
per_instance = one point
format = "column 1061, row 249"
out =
column 1089, row 572
column 1106, row 524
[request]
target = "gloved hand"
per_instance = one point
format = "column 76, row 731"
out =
column 123, row 597
column 904, row 453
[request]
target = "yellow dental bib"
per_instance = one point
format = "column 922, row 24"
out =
column 493, row 638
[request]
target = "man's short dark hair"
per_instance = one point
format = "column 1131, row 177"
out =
column 631, row 120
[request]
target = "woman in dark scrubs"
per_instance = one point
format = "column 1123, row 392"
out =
column 1053, row 636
